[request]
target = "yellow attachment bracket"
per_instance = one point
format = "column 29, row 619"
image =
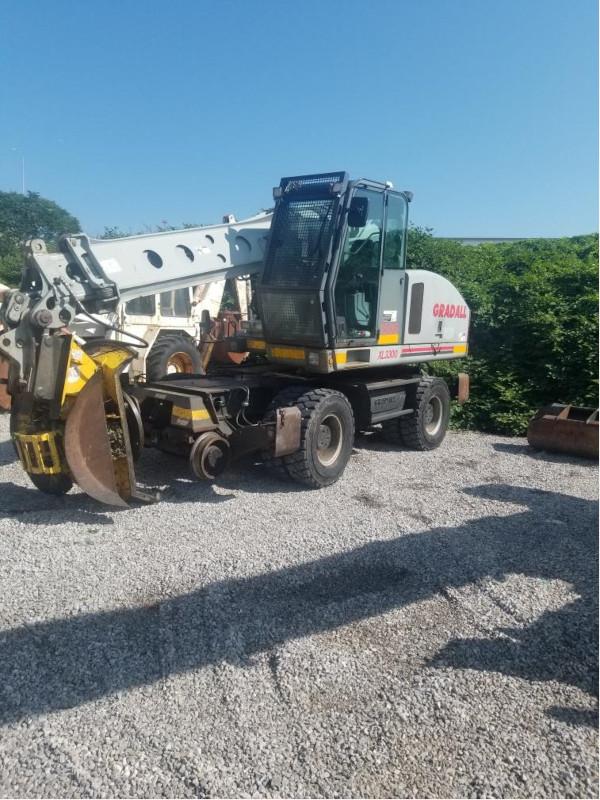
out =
column 39, row 452
column 80, row 369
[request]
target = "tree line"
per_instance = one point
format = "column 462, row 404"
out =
column 534, row 306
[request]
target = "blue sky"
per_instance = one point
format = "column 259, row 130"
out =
column 133, row 112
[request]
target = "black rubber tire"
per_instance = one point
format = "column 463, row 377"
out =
column 286, row 397
column 316, row 406
column 411, row 430
column 135, row 425
column 391, row 433
column 52, row 484
column 164, row 348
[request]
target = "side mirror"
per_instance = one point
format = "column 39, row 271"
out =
column 357, row 213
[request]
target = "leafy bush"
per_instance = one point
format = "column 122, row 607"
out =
column 534, row 324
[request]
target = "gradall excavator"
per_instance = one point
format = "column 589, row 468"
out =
column 339, row 332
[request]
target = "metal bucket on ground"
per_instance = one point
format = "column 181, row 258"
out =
column 565, row 429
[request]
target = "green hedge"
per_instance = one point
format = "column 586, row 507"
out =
column 534, row 325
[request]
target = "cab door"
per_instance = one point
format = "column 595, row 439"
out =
column 391, row 298
column 357, row 283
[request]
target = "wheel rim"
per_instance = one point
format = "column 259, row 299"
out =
column 434, row 413
column 180, row 362
column 329, row 440
column 209, row 456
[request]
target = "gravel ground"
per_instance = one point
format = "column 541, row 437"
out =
column 426, row 627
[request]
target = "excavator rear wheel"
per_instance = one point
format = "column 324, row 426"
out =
column 426, row 428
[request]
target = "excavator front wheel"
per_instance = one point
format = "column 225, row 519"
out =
column 326, row 438
column 56, row 484
column 52, row 484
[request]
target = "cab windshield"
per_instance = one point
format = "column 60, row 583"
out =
column 300, row 238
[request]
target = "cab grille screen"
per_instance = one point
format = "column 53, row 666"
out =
column 292, row 318
column 300, row 239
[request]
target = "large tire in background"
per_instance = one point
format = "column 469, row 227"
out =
column 286, row 397
column 426, row 428
column 326, row 438
column 174, row 353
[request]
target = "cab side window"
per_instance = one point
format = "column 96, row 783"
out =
column 175, row 303
column 141, row 306
column 395, row 232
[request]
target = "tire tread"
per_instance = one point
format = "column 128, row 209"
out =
column 410, row 428
column 159, row 350
column 297, row 463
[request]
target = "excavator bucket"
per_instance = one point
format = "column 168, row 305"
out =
column 88, row 448
column 97, row 441
column 565, row 429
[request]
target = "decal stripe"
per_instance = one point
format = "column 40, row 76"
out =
column 189, row 413
column 418, row 350
column 290, row 353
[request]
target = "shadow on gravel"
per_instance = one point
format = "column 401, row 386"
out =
column 542, row 455
column 34, row 507
column 63, row 663
column 17, row 501
column 7, row 452
column 575, row 716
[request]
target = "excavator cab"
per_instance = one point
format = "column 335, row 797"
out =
column 334, row 266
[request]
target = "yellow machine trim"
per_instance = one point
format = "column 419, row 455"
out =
column 388, row 338
column 39, row 453
column 340, row 357
column 460, row 348
column 290, row 353
column 80, row 369
column 113, row 359
column 256, row 344
column 190, row 413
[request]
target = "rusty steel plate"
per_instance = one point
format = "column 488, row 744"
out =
column 87, row 445
column 287, row 430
